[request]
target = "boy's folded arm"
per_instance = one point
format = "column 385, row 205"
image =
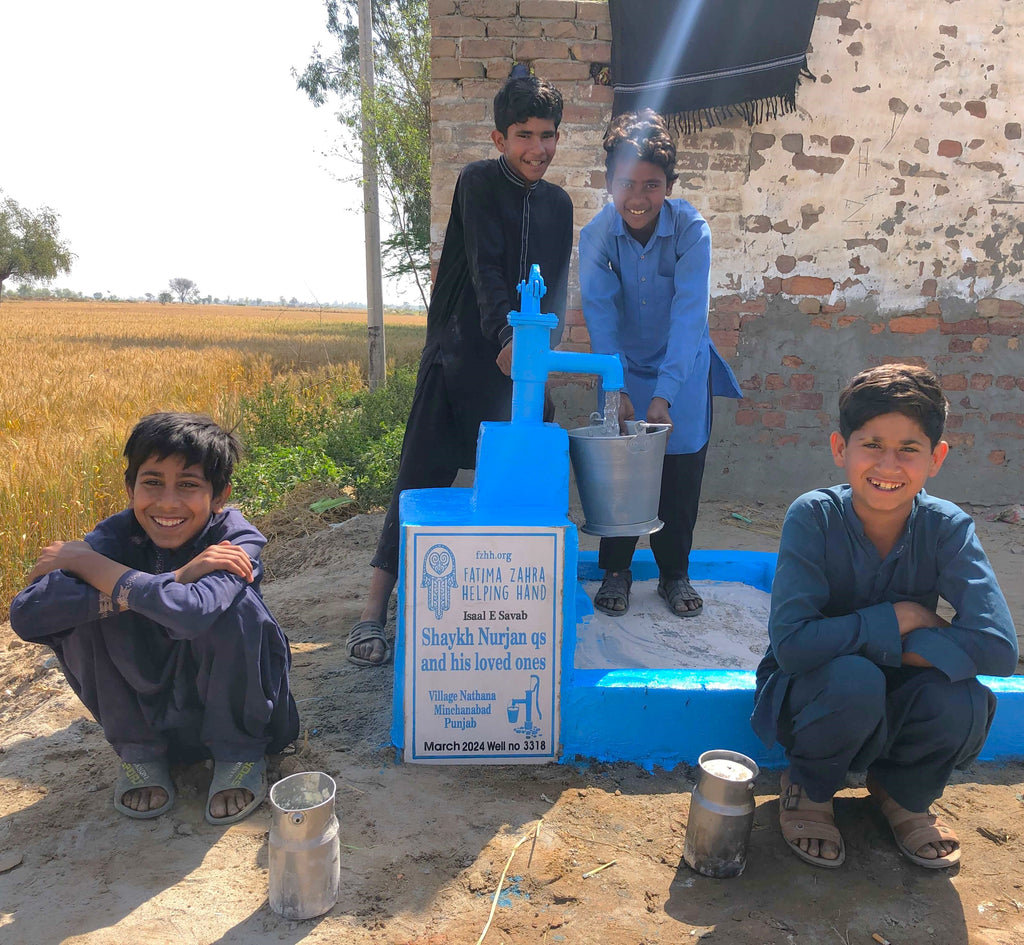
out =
column 187, row 610
column 802, row 637
column 54, row 603
column 981, row 639
column 689, row 315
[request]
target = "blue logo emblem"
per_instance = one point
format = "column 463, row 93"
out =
column 439, row 578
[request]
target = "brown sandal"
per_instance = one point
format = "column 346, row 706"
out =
column 911, row 831
column 803, row 819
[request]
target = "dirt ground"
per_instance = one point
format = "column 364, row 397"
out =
column 423, row 847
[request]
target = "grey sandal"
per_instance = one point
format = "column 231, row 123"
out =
column 143, row 774
column 366, row 631
column 248, row 776
column 677, row 591
column 615, row 587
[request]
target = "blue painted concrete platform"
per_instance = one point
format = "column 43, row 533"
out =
column 663, row 716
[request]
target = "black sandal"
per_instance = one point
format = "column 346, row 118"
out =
column 679, row 591
column 615, row 588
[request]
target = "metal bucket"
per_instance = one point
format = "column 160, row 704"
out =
column 721, row 814
column 619, row 477
column 304, row 857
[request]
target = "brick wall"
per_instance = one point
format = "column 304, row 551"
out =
column 884, row 220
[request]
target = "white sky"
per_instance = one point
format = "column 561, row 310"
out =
column 171, row 140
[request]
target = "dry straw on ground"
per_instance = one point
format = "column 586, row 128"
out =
column 79, row 374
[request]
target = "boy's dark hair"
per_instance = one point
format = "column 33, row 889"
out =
column 198, row 439
column 894, row 388
column 642, row 136
column 523, row 97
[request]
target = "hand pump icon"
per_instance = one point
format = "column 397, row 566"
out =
column 530, row 701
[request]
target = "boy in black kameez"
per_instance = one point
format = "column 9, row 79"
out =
column 504, row 219
column 158, row 623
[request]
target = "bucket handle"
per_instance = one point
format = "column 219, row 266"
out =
column 640, row 442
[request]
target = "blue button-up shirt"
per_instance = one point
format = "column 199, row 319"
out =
column 649, row 305
column 833, row 595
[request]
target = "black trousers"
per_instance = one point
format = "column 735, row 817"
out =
column 681, row 478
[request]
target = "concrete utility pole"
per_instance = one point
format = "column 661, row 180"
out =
column 371, row 206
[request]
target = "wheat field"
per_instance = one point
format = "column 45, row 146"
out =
column 77, row 375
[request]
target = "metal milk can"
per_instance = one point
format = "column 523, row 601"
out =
column 721, row 814
column 304, row 857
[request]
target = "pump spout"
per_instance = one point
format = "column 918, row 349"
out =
column 608, row 366
column 533, row 359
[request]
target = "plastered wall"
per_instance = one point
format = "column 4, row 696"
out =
column 884, row 220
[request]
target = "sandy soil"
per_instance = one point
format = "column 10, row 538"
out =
column 424, row 847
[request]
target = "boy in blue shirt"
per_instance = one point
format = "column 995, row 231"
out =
column 158, row 623
column 645, row 268
column 861, row 673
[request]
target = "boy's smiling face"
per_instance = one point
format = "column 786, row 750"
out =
column 173, row 502
column 529, row 147
column 888, row 460
column 638, row 190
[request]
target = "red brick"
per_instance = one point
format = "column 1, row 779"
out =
column 997, row 457
column 489, row 8
column 747, row 418
column 981, row 381
column 1010, row 309
column 455, row 69
column 835, row 308
column 933, row 308
column 960, row 440
column 802, row 382
column 751, row 383
column 725, row 339
column 823, row 323
column 969, row 326
column 728, row 303
column 1007, row 328
column 846, row 321
column 804, row 400
column 959, row 345
column 809, row 306
column 457, row 25
column 486, row 49
column 1006, row 382
column 912, row 325
column 785, row 264
column 542, row 49
column 791, row 360
column 574, row 316
column 929, row 287
column 807, row 285
column 755, row 306
column 774, row 420
column 950, row 149
column 772, row 286
column 548, row 9
column 954, row 421
column 724, row 320
column 791, row 439
column 954, row 382
column 579, row 335
column 774, row 382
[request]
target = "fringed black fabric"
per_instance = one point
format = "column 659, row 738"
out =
column 701, row 62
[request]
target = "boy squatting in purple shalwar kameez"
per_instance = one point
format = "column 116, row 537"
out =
column 179, row 658
column 862, row 674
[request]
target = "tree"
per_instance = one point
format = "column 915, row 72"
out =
column 400, row 117
column 185, row 289
column 164, row 297
column 30, row 245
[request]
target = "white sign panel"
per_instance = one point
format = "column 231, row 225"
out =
column 483, row 628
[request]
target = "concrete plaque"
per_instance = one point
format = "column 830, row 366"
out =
column 483, row 619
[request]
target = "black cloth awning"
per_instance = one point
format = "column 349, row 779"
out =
column 701, row 61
